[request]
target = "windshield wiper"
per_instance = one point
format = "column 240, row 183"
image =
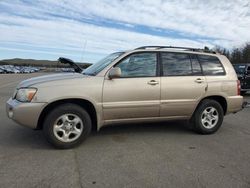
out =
column 90, row 74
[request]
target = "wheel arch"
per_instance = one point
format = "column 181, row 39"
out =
column 220, row 99
column 85, row 104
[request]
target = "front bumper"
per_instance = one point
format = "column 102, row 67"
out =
column 26, row 114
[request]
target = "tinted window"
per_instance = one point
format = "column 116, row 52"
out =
column 248, row 70
column 211, row 65
column 240, row 69
column 175, row 64
column 139, row 65
column 196, row 67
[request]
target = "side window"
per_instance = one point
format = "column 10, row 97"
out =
column 196, row 67
column 176, row 64
column 211, row 65
column 139, row 65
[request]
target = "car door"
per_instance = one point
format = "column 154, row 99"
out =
column 136, row 94
column 182, row 84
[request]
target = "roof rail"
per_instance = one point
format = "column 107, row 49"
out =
column 177, row 47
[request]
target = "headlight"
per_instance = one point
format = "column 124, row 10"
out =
column 25, row 94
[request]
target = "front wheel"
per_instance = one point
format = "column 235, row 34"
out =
column 208, row 117
column 66, row 126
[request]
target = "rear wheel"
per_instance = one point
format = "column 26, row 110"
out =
column 66, row 126
column 208, row 117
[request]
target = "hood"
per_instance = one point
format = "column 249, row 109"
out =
column 71, row 63
column 48, row 78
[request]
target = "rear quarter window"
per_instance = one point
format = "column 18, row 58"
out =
column 211, row 65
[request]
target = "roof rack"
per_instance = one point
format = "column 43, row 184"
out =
column 177, row 47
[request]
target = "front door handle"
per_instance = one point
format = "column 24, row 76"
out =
column 153, row 82
column 199, row 80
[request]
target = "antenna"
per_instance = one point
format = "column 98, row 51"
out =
column 84, row 48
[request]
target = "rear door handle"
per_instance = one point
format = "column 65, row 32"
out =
column 153, row 82
column 199, row 80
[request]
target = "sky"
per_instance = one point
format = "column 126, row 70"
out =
column 87, row 30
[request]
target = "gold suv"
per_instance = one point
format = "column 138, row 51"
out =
column 150, row 83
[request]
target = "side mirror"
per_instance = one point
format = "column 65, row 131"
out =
column 115, row 72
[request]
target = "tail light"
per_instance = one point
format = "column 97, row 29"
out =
column 238, row 87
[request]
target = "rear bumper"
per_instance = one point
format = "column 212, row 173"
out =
column 234, row 104
column 26, row 114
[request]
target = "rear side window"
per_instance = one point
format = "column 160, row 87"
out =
column 211, row 65
column 176, row 64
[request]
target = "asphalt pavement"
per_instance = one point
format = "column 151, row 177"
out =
column 140, row 155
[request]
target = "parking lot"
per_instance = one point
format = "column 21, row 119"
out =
column 145, row 155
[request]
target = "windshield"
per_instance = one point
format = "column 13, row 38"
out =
column 240, row 69
column 100, row 65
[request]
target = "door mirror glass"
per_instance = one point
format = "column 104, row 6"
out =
column 115, row 73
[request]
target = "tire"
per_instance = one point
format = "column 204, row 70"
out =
column 208, row 117
column 67, row 126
